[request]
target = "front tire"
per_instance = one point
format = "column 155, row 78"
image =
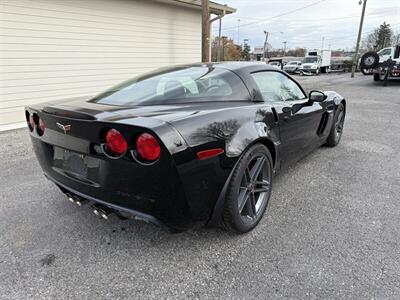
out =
column 249, row 190
column 337, row 127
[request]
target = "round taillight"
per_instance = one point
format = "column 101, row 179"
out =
column 148, row 147
column 30, row 120
column 116, row 144
column 41, row 127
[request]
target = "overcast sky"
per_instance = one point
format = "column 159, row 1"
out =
column 334, row 20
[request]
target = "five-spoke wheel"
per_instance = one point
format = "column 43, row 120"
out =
column 337, row 128
column 249, row 190
column 254, row 187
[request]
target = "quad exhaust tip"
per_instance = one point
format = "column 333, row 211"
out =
column 80, row 202
column 101, row 211
column 98, row 209
column 76, row 200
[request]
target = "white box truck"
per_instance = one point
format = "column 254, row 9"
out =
column 316, row 61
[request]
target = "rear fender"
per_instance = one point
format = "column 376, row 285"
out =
column 247, row 134
column 252, row 133
column 170, row 137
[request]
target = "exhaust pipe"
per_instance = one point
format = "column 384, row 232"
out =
column 77, row 200
column 101, row 211
column 80, row 201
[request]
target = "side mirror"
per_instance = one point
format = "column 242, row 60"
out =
column 317, row 96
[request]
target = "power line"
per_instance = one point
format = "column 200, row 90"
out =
column 259, row 20
column 347, row 37
column 280, row 15
column 383, row 11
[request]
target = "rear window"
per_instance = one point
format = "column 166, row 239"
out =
column 184, row 85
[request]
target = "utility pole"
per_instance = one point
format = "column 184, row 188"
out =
column 284, row 48
column 265, row 44
column 223, row 48
column 219, row 41
column 355, row 57
column 205, row 31
column 238, row 37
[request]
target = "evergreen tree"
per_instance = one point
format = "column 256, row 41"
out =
column 380, row 38
column 384, row 36
column 245, row 53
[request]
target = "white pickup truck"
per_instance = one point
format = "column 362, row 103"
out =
column 316, row 61
column 384, row 63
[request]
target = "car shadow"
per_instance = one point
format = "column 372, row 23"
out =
column 124, row 231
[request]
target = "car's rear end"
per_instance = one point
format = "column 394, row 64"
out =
column 125, row 167
column 137, row 148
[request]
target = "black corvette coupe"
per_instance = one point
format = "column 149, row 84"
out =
column 185, row 146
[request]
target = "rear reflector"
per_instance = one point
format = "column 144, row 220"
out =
column 116, row 144
column 148, row 147
column 209, row 153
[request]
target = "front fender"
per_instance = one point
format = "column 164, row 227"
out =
column 333, row 96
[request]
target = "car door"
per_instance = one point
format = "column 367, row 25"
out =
column 385, row 54
column 298, row 119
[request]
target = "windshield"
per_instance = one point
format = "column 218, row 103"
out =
column 310, row 59
column 182, row 85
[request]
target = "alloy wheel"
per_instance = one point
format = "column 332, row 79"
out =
column 339, row 123
column 254, row 189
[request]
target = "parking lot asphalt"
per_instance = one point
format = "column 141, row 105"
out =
column 331, row 229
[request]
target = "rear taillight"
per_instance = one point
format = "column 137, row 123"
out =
column 147, row 147
column 34, row 121
column 31, row 122
column 41, row 127
column 116, row 144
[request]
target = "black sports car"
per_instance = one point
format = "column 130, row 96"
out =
column 184, row 146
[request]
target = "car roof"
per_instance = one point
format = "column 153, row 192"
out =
column 235, row 66
column 243, row 66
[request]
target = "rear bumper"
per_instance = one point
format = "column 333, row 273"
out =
column 178, row 197
column 134, row 213
column 308, row 70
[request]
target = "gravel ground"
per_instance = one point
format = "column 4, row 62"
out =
column 331, row 229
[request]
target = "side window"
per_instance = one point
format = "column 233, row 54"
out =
column 386, row 51
column 275, row 86
column 291, row 90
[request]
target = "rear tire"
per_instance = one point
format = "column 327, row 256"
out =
column 337, row 127
column 249, row 190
